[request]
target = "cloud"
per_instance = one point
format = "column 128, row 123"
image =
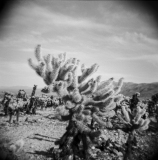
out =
column 138, row 38
column 140, row 57
column 46, row 19
column 114, row 37
column 133, row 37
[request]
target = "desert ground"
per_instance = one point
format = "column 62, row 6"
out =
column 40, row 131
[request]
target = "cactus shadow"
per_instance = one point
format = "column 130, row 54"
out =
column 47, row 154
column 50, row 116
column 43, row 138
column 2, row 115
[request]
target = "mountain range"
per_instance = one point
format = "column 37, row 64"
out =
column 146, row 90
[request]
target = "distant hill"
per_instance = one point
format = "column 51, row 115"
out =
column 146, row 90
column 128, row 89
column 15, row 89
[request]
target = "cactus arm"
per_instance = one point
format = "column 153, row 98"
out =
column 32, row 64
column 91, row 88
column 139, row 114
column 145, row 125
column 69, row 79
column 76, row 96
column 107, row 113
column 118, row 98
column 56, row 67
column 85, row 86
column 87, row 72
column 47, row 60
column 87, row 90
column 125, row 113
column 119, row 86
column 90, row 101
column 107, row 95
column 61, row 88
column 105, row 84
column 99, row 121
column 75, row 78
column 100, row 93
column 110, row 107
column 83, row 68
column 64, row 72
column 123, row 120
column 38, row 54
column 40, row 68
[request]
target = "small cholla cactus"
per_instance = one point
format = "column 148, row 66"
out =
column 85, row 101
column 135, row 120
column 22, row 94
column 34, row 90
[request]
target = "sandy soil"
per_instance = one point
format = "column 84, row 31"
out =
column 39, row 134
column 42, row 130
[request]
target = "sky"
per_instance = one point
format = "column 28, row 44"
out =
column 120, row 36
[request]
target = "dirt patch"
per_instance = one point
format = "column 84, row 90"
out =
column 41, row 131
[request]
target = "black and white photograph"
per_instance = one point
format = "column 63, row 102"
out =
column 78, row 80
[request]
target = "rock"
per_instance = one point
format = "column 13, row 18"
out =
column 153, row 119
column 115, row 151
column 110, row 145
column 70, row 157
column 120, row 154
column 38, row 157
column 32, row 146
column 26, row 119
column 113, row 139
column 12, row 148
column 14, row 121
column 7, row 127
column 120, row 158
column 117, row 145
column 4, row 124
column 92, row 147
column 105, row 131
column 31, row 157
column 17, row 145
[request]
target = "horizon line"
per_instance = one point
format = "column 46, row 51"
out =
column 44, row 86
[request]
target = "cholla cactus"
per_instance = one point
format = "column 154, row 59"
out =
column 22, row 94
column 85, row 100
column 34, row 90
column 135, row 120
column 7, row 95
